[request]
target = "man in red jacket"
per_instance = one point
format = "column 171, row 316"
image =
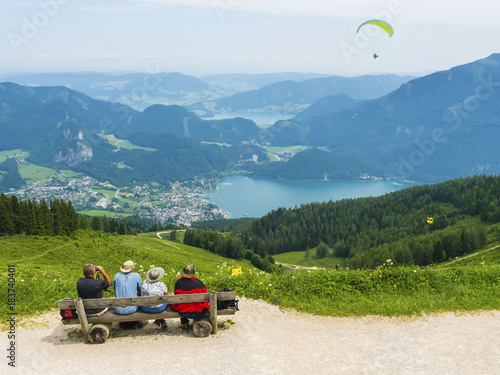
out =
column 188, row 284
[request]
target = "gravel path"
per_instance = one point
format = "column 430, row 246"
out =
column 265, row 340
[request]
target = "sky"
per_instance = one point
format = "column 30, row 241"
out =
column 205, row 37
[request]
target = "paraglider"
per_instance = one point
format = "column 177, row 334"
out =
column 380, row 23
column 375, row 55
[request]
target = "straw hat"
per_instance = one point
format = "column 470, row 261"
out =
column 128, row 266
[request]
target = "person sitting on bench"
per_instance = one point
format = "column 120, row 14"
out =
column 89, row 287
column 152, row 286
column 128, row 284
column 188, row 284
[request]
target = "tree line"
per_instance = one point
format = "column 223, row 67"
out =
column 59, row 218
column 228, row 246
column 56, row 218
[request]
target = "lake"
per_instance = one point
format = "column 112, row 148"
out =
column 261, row 119
column 243, row 196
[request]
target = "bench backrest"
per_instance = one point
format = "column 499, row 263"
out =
column 145, row 301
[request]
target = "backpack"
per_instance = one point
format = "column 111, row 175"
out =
column 232, row 303
column 68, row 314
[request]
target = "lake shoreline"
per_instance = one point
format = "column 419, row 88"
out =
column 243, row 195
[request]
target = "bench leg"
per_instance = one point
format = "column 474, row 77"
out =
column 213, row 311
column 83, row 319
column 98, row 333
column 202, row 328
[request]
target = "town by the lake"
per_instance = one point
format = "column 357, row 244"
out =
column 180, row 202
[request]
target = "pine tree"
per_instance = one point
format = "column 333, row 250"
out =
column 6, row 222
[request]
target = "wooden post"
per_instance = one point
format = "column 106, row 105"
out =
column 213, row 311
column 83, row 319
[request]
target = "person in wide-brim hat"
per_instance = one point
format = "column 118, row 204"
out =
column 152, row 286
column 155, row 274
column 128, row 266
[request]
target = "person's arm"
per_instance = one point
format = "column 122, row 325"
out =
column 106, row 277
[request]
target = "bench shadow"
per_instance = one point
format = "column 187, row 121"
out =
column 69, row 335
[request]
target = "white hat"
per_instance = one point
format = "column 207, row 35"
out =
column 155, row 274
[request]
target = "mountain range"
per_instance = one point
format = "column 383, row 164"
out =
column 287, row 93
column 291, row 97
column 64, row 129
column 433, row 128
column 437, row 127
column 137, row 90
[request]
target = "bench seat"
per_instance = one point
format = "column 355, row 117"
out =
column 111, row 317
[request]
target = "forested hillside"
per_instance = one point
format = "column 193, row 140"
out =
column 59, row 218
column 368, row 231
column 27, row 217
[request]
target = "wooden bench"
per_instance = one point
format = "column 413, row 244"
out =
column 96, row 329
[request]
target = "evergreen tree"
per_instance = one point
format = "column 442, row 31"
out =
column 6, row 222
column 96, row 223
column 321, row 250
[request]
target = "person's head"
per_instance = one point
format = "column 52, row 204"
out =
column 189, row 271
column 155, row 274
column 127, row 267
column 88, row 270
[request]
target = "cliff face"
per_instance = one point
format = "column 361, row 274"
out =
column 73, row 156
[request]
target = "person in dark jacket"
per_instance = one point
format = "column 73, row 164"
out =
column 188, row 284
column 92, row 288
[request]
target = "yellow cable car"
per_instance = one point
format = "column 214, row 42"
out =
column 430, row 220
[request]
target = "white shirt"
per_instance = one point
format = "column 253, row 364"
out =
column 157, row 288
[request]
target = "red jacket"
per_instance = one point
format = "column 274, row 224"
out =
column 192, row 310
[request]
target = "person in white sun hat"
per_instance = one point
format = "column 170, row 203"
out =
column 152, row 286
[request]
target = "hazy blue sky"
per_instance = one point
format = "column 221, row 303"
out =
column 200, row 37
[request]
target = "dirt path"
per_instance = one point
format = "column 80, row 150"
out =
column 456, row 260
column 165, row 242
column 266, row 340
column 296, row 266
column 473, row 255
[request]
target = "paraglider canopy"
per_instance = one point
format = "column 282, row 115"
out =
column 380, row 23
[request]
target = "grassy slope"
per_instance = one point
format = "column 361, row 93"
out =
column 46, row 269
column 298, row 258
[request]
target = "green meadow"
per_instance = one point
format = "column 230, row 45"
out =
column 47, row 268
column 122, row 165
column 109, row 214
column 17, row 153
column 103, row 192
column 124, row 143
column 32, row 173
column 282, row 150
column 298, row 258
